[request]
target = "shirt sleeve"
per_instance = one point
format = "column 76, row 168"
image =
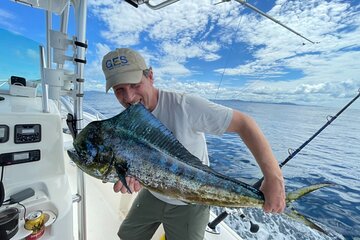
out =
column 206, row 116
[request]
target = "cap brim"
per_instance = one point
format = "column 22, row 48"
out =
column 131, row 77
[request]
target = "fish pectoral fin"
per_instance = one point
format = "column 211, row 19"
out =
column 121, row 171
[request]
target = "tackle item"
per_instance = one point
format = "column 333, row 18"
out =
column 9, row 220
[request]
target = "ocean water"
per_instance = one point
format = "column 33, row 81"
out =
column 333, row 156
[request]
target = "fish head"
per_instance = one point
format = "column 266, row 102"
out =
column 92, row 153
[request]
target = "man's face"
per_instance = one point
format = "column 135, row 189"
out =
column 128, row 94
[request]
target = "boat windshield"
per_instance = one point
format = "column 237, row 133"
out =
column 19, row 57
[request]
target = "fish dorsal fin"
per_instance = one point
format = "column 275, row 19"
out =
column 138, row 122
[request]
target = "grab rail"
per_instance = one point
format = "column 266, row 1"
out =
column 136, row 3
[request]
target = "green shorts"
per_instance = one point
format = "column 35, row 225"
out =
column 179, row 222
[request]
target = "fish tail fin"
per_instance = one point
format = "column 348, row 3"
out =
column 292, row 213
column 295, row 195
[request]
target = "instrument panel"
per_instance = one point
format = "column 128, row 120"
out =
column 23, row 134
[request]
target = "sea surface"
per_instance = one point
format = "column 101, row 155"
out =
column 333, row 156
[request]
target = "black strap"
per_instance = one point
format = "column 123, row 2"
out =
column 2, row 189
column 80, row 60
column 80, row 44
column 71, row 123
column 2, row 194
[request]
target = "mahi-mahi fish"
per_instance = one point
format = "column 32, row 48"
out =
column 135, row 143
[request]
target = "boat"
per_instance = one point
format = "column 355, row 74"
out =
column 43, row 192
column 41, row 189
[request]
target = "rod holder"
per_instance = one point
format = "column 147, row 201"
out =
column 212, row 226
column 44, row 86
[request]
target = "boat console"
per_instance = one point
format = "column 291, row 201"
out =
column 33, row 173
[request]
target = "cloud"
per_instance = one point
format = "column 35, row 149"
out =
column 32, row 54
column 6, row 19
column 187, row 39
column 94, row 75
column 6, row 15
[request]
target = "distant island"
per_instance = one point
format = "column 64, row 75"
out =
column 237, row 100
column 94, row 92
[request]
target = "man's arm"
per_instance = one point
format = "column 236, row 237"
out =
column 273, row 184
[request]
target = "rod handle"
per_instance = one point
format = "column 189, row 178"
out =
column 217, row 220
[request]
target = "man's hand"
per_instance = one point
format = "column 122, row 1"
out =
column 133, row 184
column 274, row 192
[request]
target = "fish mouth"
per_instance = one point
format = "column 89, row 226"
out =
column 135, row 103
column 99, row 171
column 74, row 156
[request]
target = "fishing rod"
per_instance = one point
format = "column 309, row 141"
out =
column 243, row 2
column 246, row 4
column 211, row 227
column 293, row 154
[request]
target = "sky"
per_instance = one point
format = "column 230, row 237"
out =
column 224, row 51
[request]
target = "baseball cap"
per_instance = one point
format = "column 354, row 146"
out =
column 122, row 65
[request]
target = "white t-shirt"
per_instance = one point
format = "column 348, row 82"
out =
column 189, row 117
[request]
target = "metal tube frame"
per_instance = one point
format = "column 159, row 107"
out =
column 160, row 5
column 80, row 10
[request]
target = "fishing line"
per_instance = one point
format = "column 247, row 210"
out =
column 2, row 82
column 227, row 58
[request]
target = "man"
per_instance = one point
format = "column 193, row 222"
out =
column 188, row 117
